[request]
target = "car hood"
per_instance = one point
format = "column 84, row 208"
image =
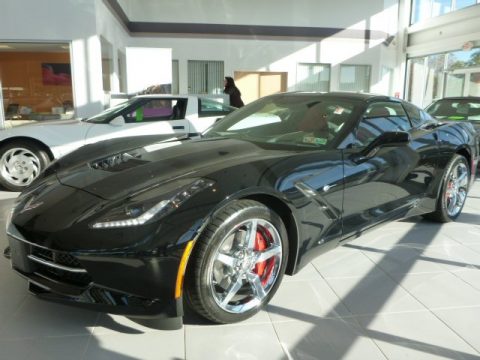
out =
column 135, row 164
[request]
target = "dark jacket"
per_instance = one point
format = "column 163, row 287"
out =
column 235, row 94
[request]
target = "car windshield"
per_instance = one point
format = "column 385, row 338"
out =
column 456, row 109
column 304, row 120
column 111, row 113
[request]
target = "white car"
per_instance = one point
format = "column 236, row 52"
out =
column 25, row 151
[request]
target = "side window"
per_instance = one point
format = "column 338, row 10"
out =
column 426, row 117
column 157, row 110
column 379, row 118
column 415, row 114
column 207, row 107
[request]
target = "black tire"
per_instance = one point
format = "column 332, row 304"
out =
column 441, row 213
column 199, row 291
column 32, row 160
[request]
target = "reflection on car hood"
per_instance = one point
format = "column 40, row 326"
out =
column 127, row 169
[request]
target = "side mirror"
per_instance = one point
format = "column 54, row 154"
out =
column 118, row 121
column 387, row 139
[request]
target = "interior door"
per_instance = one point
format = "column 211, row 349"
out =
column 256, row 84
column 391, row 182
column 150, row 117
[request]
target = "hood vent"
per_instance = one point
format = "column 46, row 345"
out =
column 119, row 162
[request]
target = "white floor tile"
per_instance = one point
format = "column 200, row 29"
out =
column 419, row 336
column 36, row 318
column 314, row 298
column 441, row 290
column 233, row 342
column 326, row 339
column 344, row 262
column 147, row 346
column 71, row 348
column 373, row 294
column 465, row 322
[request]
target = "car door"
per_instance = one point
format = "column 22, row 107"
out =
column 150, row 116
column 392, row 181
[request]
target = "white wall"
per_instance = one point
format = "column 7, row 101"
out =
column 63, row 21
column 108, row 27
column 276, row 54
column 82, row 22
column 316, row 13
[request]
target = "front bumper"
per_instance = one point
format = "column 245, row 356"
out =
column 142, row 287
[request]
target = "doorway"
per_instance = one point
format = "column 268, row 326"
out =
column 256, row 84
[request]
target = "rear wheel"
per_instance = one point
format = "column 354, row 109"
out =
column 20, row 163
column 238, row 262
column 454, row 191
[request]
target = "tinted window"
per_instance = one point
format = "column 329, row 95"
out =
column 379, row 118
column 209, row 107
column 456, row 109
column 414, row 113
column 157, row 110
column 292, row 119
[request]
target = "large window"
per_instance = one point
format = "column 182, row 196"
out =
column 36, row 82
column 425, row 9
column 313, row 77
column 355, row 78
column 205, row 77
column 449, row 74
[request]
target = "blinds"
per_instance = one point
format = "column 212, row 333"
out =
column 175, row 77
column 313, row 77
column 355, row 78
column 205, row 77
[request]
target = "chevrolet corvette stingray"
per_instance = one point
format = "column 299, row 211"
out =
column 140, row 226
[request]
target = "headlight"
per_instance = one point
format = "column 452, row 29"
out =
column 140, row 211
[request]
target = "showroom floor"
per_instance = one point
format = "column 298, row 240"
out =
column 409, row 290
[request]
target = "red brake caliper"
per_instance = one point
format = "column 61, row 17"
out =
column 263, row 269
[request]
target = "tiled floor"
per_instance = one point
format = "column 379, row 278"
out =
column 409, row 290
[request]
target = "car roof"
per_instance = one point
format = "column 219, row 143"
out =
column 476, row 98
column 351, row 95
column 163, row 96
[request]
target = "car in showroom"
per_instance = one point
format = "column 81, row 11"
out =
column 134, row 227
column 457, row 109
column 25, row 151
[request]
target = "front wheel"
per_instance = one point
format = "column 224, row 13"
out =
column 454, row 191
column 237, row 263
column 20, row 163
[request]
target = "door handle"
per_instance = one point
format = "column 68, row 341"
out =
column 178, row 127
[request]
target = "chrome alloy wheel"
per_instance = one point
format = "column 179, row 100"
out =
column 19, row 166
column 246, row 266
column 456, row 189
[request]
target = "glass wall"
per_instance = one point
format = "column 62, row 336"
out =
column 449, row 74
column 36, row 82
column 425, row 9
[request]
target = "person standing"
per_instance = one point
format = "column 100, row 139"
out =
column 232, row 90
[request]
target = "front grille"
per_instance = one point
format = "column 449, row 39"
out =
column 56, row 257
column 106, row 297
column 69, row 269
column 80, row 279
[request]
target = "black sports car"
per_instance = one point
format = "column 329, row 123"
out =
column 117, row 226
